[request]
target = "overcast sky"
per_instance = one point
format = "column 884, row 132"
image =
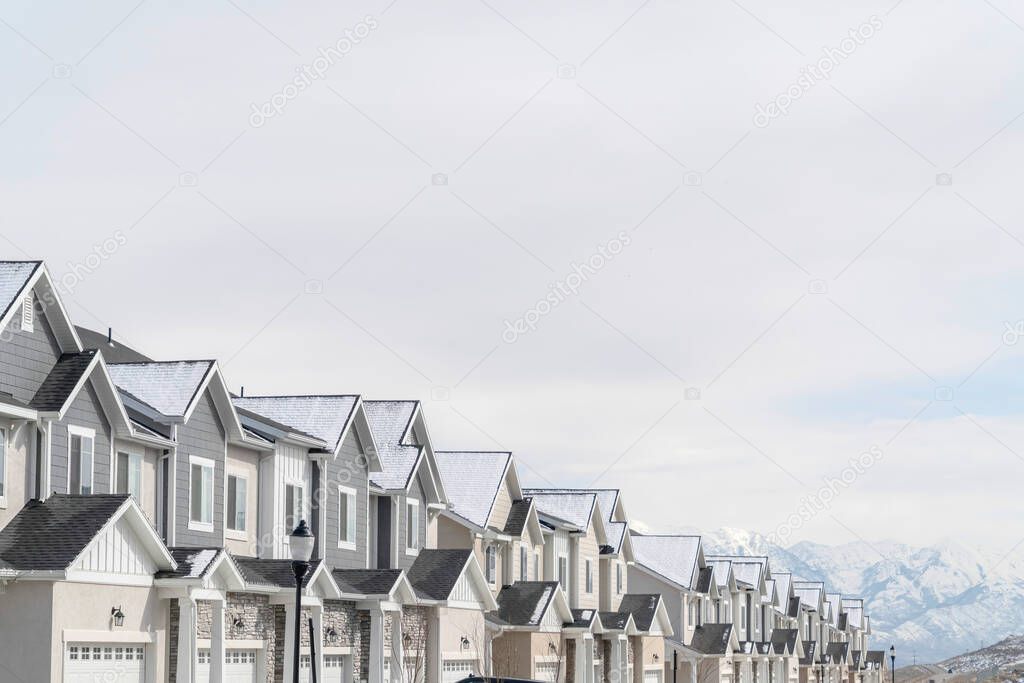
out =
column 767, row 294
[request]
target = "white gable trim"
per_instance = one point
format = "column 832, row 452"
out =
column 94, row 564
column 41, row 284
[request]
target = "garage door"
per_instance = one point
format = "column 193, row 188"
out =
column 334, row 669
column 456, row 669
column 547, row 671
column 239, row 666
column 652, row 676
column 89, row 662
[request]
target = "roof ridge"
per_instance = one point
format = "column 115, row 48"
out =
column 165, row 362
column 297, row 396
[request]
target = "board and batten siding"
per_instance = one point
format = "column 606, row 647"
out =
column 203, row 436
column 117, row 550
column 416, row 492
column 27, row 357
column 85, row 411
column 289, row 465
column 348, row 470
column 501, row 507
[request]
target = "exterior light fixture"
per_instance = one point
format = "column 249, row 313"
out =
column 117, row 616
column 464, row 642
column 407, row 640
column 331, row 633
column 238, row 622
column 300, row 544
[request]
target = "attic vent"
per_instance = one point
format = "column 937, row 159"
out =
column 28, row 313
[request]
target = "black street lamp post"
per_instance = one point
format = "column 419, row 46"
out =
column 892, row 659
column 300, row 543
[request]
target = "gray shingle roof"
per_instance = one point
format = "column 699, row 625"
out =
column 614, row 621
column 390, row 422
column 366, row 581
column 168, row 387
column 837, row 651
column 748, row 573
column 794, row 607
column 583, row 618
column 53, row 393
column 573, row 506
column 875, row 658
column 435, row 572
column 518, row 515
column 835, row 600
column 854, row 608
column 711, row 639
column 275, row 573
column 784, row 641
column 114, row 351
column 13, row 276
column 472, row 480
column 50, row 535
column 525, row 602
column 323, row 417
column 193, row 563
column 672, row 556
column 643, row 607
column 810, row 649
column 703, row 584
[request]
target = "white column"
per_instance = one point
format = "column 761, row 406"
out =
column 433, row 657
column 318, row 639
column 587, row 643
column 376, row 664
column 397, row 653
column 289, row 641
column 580, row 660
column 217, row 642
column 693, row 669
column 186, row 640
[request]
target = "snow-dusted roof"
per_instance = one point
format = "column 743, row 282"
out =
column 13, row 276
column 169, row 387
column 674, row 557
column 854, row 608
column 472, row 480
column 324, row 417
column 809, row 592
column 782, row 585
column 760, row 560
column 835, row 600
column 575, row 506
column 390, row 422
column 747, row 572
column 722, row 569
column 769, row 592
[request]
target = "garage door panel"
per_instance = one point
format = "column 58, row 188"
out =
column 239, row 665
column 107, row 662
column 453, row 670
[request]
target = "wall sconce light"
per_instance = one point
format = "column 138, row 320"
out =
column 117, row 616
column 406, row 640
column 552, row 647
column 655, row 656
column 237, row 622
column 331, row 633
column 464, row 642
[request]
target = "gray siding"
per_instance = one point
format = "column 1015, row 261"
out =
column 404, row 560
column 204, row 436
column 349, row 470
column 85, row 411
column 27, row 357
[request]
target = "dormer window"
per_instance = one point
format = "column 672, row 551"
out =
column 28, row 314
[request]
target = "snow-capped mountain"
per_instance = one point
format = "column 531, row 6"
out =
column 934, row 602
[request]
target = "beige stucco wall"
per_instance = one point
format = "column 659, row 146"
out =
column 81, row 606
column 16, row 484
column 25, row 609
column 456, row 623
column 513, row 655
column 245, row 463
column 451, row 534
column 588, row 550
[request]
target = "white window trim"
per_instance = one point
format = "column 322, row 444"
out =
column 75, row 430
column 588, row 577
column 131, row 454
column 415, row 504
column 202, row 462
column 3, row 466
column 236, row 534
column 348, row 491
column 300, row 485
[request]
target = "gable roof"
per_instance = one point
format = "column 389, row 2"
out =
column 325, row 417
column 17, row 278
column 648, row 610
column 616, row 621
column 784, row 588
column 525, row 603
column 367, row 581
column 751, row 570
column 193, row 563
column 711, row 639
column 835, row 601
column 518, row 516
column 390, row 422
column 14, row 275
column 169, row 387
column 784, row 641
column 436, row 572
column 703, row 583
column 50, row 535
column 65, row 375
column 854, row 609
column 472, row 480
column 575, row 507
column 671, row 556
column 810, row 649
column 837, row 652
column 113, row 351
column 811, row 593
column 278, row 575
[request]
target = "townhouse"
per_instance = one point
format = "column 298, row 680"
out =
column 145, row 514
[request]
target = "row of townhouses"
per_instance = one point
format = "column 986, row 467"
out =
column 146, row 509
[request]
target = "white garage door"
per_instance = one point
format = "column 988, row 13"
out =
column 239, row 666
column 547, row 671
column 334, row 669
column 456, row 669
column 652, row 676
column 107, row 662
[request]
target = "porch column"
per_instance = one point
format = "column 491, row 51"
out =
column 433, row 656
column 217, row 642
column 620, row 660
column 693, row 671
column 186, row 640
column 289, row 641
column 318, row 639
column 587, row 644
column 376, row 664
column 397, row 649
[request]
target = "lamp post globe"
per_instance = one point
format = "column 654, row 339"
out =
column 300, row 544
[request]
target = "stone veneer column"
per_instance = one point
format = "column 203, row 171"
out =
column 186, row 640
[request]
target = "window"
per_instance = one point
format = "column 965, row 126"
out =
column 536, row 566
column 412, row 526
column 491, row 560
column 129, row 474
column 200, row 494
column 524, row 563
column 589, row 577
column 690, row 618
column 563, row 572
column 238, row 487
column 28, row 314
column 346, row 517
column 293, row 506
column 3, row 464
column 80, row 450
column 743, row 618
column 618, row 578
